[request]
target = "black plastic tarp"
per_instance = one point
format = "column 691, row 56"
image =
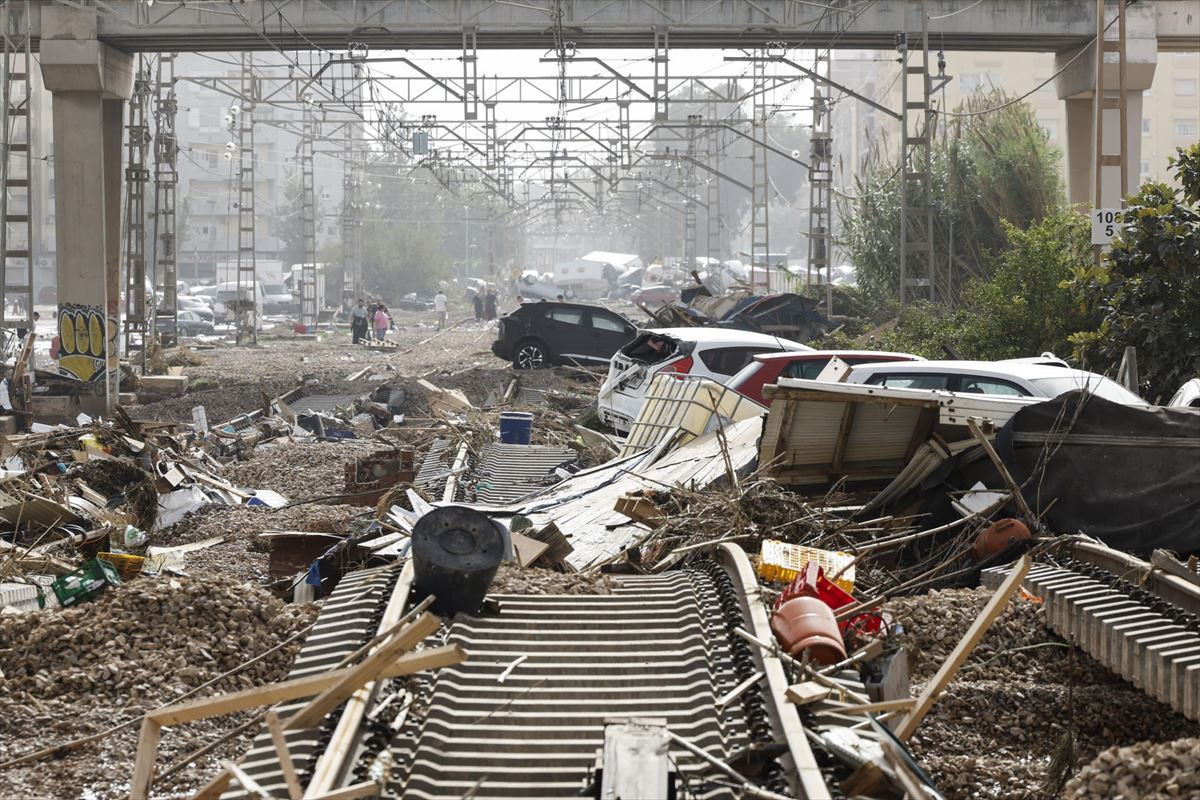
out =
column 1127, row 475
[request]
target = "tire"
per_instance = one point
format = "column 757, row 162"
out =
column 530, row 354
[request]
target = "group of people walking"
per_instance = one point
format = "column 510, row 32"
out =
column 366, row 319
column 373, row 321
column 485, row 305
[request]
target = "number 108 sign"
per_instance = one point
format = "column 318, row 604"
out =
column 1104, row 224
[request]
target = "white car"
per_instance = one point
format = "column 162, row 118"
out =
column 1188, row 395
column 714, row 353
column 1018, row 377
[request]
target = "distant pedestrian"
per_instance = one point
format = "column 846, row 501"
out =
column 358, row 322
column 561, row 299
column 381, row 322
column 439, row 305
column 477, row 302
column 520, row 300
column 489, row 305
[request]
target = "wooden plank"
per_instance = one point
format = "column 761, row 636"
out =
column 527, row 549
column 1030, row 518
column 808, row 692
column 368, row 669
column 876, row 708
column 143, row 763
column 247, row 783
column 995, row 606
column 296, row 688
column 295, row 790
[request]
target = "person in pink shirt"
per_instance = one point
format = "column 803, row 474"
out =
column 381, row 322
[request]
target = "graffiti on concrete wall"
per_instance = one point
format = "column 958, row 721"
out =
column 85, row 340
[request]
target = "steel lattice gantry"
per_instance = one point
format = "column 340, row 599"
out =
column 16, row 170
column 246, row 313
column 137, row 176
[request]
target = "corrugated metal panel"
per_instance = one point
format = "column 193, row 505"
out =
column 508, row 472
column 693, row 405
column 881, row 433
column 435, row 467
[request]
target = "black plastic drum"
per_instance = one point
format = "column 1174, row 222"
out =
column 456, row 552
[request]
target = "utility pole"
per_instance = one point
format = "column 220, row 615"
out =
column 689, row 186
column 16, row 168
column 1100, row 104
column 760, row 195
column 308, row 221
column 352, row 206
column 242, row 118
column 712, row 157
column 916, row 148
column 820, row 176
column 166, row 180
column 137, row 175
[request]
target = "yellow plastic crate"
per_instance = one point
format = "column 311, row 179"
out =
column 128, row 567
column 780, row 561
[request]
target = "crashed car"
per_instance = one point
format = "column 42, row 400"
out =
column 714, row 353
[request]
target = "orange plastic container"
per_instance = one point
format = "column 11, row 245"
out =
column 811, row 582
column 806, row 623
column 998, row 536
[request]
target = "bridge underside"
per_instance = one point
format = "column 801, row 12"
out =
column 1014, row 25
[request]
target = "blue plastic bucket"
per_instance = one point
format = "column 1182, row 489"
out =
column 515, row 427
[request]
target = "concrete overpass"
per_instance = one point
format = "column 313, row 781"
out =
column 1016, row 25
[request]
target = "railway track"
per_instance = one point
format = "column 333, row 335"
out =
column 1144, row 630
column 525, row 715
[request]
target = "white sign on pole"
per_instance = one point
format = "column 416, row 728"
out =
column 1104, row 225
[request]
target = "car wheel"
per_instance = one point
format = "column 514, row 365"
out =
column 530, row 354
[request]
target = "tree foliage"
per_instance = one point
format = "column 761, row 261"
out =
column 1025, row 308
column 987, row 170
column 1148, row 287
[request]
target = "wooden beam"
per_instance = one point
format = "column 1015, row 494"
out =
column 248, row 783
column 368, row 669
column 883, row 706
column 295, row 688
column 143, row 764
column 995, row 606
column 152, row 724
column 295, row 790
column 1005, row 475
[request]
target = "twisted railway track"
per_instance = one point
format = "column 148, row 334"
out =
column 1141, row 624
column 525, row 715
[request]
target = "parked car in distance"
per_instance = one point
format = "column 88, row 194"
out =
column 196, row 304
column 714, row 353
column 278, row 299
column 538, row 335
column 1012, row 378
column 654, row 296
column 1188, row 395
column 190, row 324
column 767, row 368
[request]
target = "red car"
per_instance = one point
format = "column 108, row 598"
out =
column 770, row 367
column 655, row 296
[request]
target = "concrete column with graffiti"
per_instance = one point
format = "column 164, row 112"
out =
column 89, row 82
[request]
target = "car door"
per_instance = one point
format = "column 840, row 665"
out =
column 607, row 333
column 566, row 334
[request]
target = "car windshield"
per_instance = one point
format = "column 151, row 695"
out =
column 275, row 288
column 1096, row 384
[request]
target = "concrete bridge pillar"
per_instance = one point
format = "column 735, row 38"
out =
column 1077, row 86
column 89, row 82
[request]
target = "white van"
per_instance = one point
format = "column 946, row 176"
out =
column 229, row 291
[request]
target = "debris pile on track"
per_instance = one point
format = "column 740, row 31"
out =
column 1146, row 771
column 515, row 580
column 1001, row 725
column 202, row 628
